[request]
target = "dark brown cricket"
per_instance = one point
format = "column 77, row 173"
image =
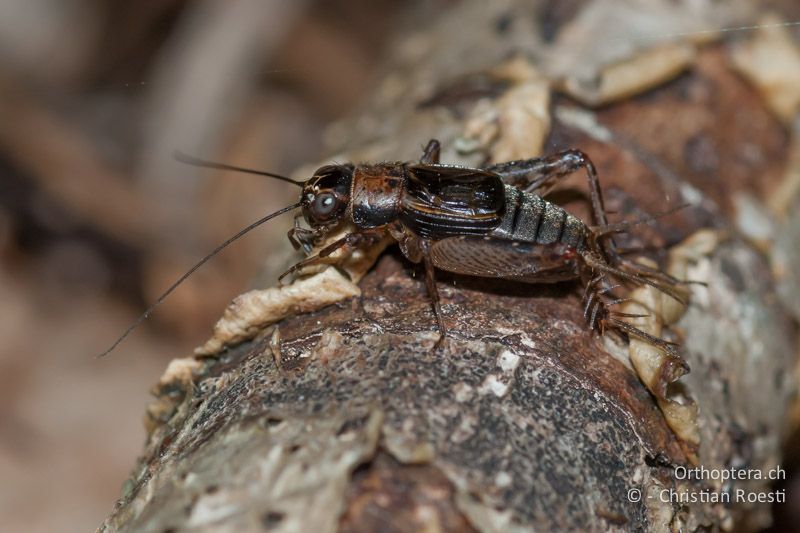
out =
column 490, row 222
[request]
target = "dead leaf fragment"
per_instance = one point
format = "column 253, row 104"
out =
column 634, row 75
column 329, row 344
column 180, row 370
column 782, row 198
column 770, row 60
column 656, row 367
column 516, row 124
column 252, row 311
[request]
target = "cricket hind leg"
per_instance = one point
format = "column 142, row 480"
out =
column 432, row 153
column 599, row 233
column 596, row 262
column 599, row 300
column 541, row 173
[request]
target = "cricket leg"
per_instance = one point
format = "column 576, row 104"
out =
column 351, row 240
column 433, row 291
column 301, row 237
column 598, row 264
column 432, row 152
column 541, row 173
column 600, row 317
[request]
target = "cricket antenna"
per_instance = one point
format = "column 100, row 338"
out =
column 194, row 161
column 200, row 263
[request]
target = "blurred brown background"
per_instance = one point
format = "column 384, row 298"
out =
column 97, row 218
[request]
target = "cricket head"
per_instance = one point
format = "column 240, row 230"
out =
column 326, row 195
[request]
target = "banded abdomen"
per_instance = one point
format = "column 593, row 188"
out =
column 530, row 219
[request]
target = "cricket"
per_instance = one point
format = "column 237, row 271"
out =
column 487, row 222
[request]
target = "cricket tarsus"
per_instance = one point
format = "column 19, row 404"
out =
column 191, row 271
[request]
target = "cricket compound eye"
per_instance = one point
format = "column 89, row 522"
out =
column 324, row 204
column 327, row 194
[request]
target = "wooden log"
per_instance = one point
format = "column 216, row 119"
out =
column 346, row 419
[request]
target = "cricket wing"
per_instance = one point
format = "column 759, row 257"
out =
column 513, row 260
column 442, row 201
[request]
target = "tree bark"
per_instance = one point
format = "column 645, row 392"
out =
column 346, row 419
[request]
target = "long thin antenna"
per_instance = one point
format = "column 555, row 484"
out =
column 200, row 263
column 711, row 31
column 196, row 162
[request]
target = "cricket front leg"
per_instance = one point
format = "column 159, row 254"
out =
column 351, row 240
column 301, row 237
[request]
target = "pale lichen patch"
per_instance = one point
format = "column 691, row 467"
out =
column 465, row 429
column 328, row 345
column 508, row 361
column 463, row 392
column 492, row 385
column 503, row 479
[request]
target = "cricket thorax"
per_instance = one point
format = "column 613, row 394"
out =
column 376, row 194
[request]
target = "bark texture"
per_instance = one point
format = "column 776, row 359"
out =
column 347, row 420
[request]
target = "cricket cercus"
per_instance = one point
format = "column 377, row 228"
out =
column 489, row 222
